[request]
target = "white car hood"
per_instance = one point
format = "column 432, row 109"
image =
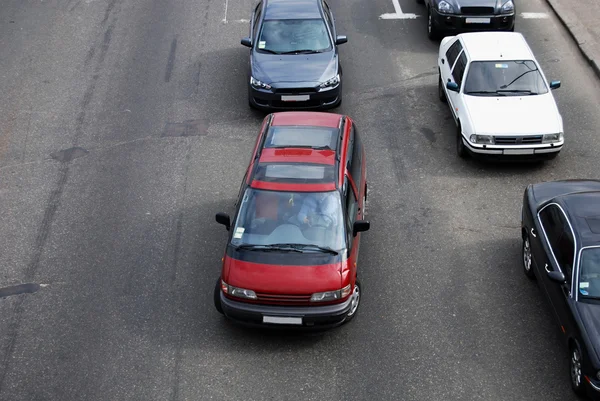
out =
column 514, row 115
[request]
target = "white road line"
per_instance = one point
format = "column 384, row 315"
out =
column 225, row 19
column 534, row 15
column 398, row 14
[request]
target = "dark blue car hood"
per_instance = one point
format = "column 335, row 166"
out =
column 590, row 316
column 275, row 68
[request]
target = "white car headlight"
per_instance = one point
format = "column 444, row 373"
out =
column 444, row 7
column 486, row 139
column 237, row 292
column 330, row 83
column 258, row 84
column 331, row 295
column 508, row 7
column 551, row 138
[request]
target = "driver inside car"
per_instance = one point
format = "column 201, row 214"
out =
column 319, row 206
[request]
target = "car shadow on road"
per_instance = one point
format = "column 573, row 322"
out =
column 225, row 95
column 507, row 310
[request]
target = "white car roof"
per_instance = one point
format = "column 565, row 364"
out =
column 486, row 46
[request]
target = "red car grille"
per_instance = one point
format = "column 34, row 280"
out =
column 283, row 299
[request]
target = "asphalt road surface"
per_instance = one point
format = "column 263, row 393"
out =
column 124, row 128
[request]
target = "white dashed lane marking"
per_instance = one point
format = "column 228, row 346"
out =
column 398, row 14
column 534, row 15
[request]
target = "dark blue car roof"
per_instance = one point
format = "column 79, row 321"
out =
column 292, row 9
column 584, row 213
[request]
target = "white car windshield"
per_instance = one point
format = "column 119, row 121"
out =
column 299, row 218
column 291, row 36
column 589, row 273
column 504, row 78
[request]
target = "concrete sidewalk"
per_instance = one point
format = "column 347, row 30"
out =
column 581, row 17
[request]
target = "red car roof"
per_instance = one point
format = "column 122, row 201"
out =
column 279, row 167
column 297, row 155
column 315, row 118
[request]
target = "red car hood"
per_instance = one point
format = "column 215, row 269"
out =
column 282, row 279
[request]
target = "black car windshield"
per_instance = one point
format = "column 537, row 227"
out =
column 304, row 219
column 589, row 273
column 504, row 78
column 290, row 36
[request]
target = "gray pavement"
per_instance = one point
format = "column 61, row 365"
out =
column 580, row 17
column 122, row 239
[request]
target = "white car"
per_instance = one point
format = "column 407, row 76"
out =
column 499, row 96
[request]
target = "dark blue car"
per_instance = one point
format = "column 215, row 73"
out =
column 560, row 228
column 450, row 17
column 294, row 61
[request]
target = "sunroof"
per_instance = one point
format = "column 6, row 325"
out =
column 295, row 173
column 301, row 136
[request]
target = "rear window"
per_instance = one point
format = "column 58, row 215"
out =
column 295, row 173
column 302, row 137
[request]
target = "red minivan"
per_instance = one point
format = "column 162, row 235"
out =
column 292, row 249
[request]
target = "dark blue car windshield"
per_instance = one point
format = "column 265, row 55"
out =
column 288, row 36
column 589, row 273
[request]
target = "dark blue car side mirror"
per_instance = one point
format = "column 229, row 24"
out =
column 453, row 86
column 554, row 84
column 557, row 276
column 246, row 42
column 340, row 39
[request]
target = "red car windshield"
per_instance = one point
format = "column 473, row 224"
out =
column 307, row 218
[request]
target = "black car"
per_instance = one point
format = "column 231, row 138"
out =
column 560, row 227
column 455, row 16
column 294, row 61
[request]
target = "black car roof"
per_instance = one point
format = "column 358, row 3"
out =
column 292, row 9
column 583, row 210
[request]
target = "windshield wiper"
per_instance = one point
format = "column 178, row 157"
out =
column 482, row 92
column 265, row 248
column 304, row 246
column 302, row 51
column 517, row 91
column 518, row 77
column 269, row 51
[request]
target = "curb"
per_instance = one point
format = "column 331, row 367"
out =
column 578, row 32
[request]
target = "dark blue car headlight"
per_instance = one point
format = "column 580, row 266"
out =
column 445, row 7
column 255, row 83
column 330, row 83
column 507, row 7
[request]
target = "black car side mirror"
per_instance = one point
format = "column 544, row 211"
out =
column 341, row 39
column 556, row 276
column 223, row 218
column 359, row 226
column 554, row 84
column 246, row 42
